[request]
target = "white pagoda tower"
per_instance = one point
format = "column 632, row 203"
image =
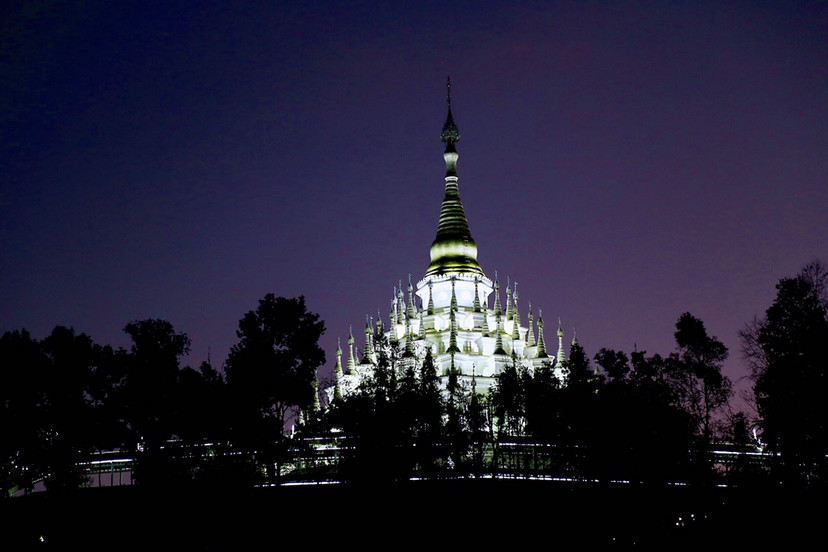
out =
column 456, row 309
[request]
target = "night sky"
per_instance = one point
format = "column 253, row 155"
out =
column 623, row 162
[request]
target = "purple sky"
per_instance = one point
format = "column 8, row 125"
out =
column 624, row 162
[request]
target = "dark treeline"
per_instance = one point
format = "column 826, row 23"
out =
column 64, row 398
column 613, row 415
column 637, row 418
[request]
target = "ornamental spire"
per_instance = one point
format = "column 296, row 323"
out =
column 392, row 328
column 412, row 309
column 508, row 299
column 561, row 353
column 541, row 342
column 530, row 339
column 453, row 322
column 394, row 307
column 497, row 309
column 401, row 314
column 409, row 349
column 369, row 342
column 453, row 250
column 338, row 355
column 499, row 350
column 351, row 360
column 453, row 334
column 392, row 317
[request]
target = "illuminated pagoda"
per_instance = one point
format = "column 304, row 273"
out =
column 455, row 309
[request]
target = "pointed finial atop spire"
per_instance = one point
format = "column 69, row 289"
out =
column 451, row 133
column 497, row 308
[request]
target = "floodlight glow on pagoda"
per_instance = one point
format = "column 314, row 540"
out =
column 449, row 311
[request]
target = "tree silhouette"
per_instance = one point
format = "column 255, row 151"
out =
column 579, row 375
column 58, row 403
column 644, row 432
column 508, row 397
column 149, row 394
column 201, row 405
column 429, row 417
column 456, row 438
column 107, row 395
column 479, row 430
column 271, row 370
column 22, row 411
column 68, row 408
column 151, row 379
column 614, row 363
column 544, row 416
column 378, row 420
column 789, row 361
column 697, row 373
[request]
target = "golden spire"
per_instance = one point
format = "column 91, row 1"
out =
column 453, row 250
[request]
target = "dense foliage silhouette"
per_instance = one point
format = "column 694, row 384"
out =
column 788, row 357
column 615, row 416
column 270, row 371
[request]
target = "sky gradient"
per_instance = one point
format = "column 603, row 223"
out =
column 623, row 162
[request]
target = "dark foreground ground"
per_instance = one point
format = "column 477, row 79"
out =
column 447, row 515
